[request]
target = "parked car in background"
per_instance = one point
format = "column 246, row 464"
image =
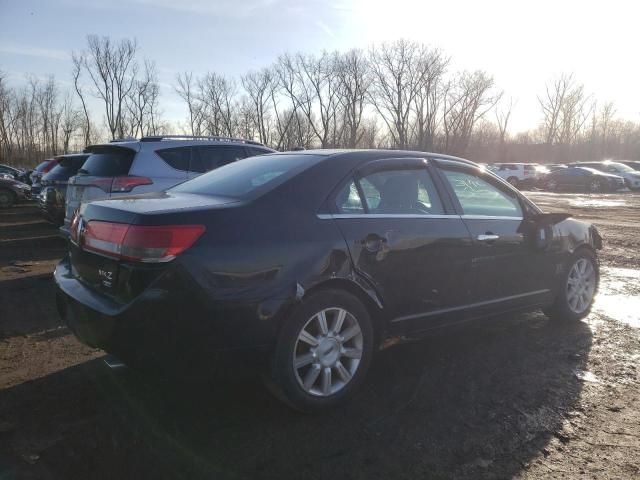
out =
column 518, row 174
column 51, row 199
column 150, row 164
column 14, row 172
column 38, row 172
column 583, row 178
column 12, row 191
column 631, row 176
column 316, row 259
column 635, row 164
column 555, row 166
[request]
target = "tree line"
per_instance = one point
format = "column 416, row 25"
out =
column 401, row 94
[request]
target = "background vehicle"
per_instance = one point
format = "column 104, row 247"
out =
column 583, row 178
column 16, row 173
column 12, row 191
column 518, row 174
column 315, row 258
column 54, row 186
column 635, row 164
column 631, row 177
column 38, row 172
column 150, row 164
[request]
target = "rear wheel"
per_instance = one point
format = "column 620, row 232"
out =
column 596, row 186
column 578, row 288
column 513, row 181
column 323, row 351
column 7, row 198
column 552, row 185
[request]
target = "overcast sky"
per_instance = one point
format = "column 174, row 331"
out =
column 522, row 43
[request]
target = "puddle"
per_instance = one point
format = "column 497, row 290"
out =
column 619, row 295
column 596, row 202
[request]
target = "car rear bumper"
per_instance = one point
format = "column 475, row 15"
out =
column 157, row 324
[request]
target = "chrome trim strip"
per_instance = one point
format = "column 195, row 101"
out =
column 489, row 217
column 465, row 307
column 327, row 216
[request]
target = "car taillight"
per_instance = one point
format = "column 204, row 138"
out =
column 73, row 229
column 119, row 184
column 157, row 243
column 126, row 184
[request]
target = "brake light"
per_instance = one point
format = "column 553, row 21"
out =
column 157, row 243
column 119, row 184
column 126, row 184
column 73, row 229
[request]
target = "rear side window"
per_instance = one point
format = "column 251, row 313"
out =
column 178, row 158
column 257, row 151
column 110, row 162
column 207, row 158
column 479, row 197
column 249, row 178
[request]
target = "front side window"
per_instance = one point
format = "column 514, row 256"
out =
column 479, row 197
column 401, row 192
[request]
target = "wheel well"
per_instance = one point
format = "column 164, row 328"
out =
column 375, row 312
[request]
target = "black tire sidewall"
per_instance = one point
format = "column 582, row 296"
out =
column 283, row 374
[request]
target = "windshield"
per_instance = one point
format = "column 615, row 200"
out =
column 620, row 167
column 249, row 178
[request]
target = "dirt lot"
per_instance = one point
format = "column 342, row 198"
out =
column 515, row 397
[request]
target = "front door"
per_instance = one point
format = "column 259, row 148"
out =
column 506, row 270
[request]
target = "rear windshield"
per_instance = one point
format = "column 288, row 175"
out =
column 108, row 162
column 249, row 178
column 66, row 167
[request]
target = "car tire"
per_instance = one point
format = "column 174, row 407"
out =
column 7, row 198
column 328, row 369
column 552, row 185
column 596, row 186
column 513, row 181
column 582, row 273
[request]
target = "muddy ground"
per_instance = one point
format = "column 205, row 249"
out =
column 516, row 397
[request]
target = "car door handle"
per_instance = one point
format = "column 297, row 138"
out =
column 487, row 237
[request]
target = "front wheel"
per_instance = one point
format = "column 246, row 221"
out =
column 7, row 198
column 323, row 351
column 596, row 186
column 578, row 288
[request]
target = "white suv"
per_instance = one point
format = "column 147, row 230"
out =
column 519, row 174
column 151, row 164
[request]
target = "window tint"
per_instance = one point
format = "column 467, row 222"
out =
column 401, row 192
column 479, row 197
column 108, row 162
column 177, row 158
column 348, row 199
column 207, row 158
column 249, row 178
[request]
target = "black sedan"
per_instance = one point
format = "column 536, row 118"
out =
column 583, row 178
column 52, row 197
column 316, row 258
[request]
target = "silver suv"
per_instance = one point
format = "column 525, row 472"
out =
column 151, row 164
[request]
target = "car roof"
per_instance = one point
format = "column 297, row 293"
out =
column 376, row 154
column 168, row 141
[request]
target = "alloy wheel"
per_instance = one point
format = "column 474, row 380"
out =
column 328, row 351
column 595, row 186
column 581, row 285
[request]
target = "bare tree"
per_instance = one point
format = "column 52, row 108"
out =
column 259, row 86
column 217, row 93
column 186, row 89
column 354, row 80
column 467, row 99
column 142, row 103
column 78, row 62
column 112, row 69
column 397, row 80
column 70, row 122
column 565, row 109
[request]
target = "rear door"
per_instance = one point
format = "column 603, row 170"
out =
column 406, row 242
column 506, row 271
column 95, row 178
